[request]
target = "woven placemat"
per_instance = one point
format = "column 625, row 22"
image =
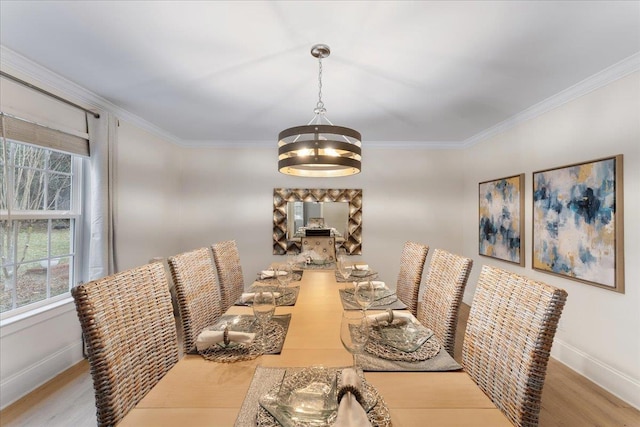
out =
column 265, row 379
column 297, row 276
column 312, row 266
column 288, row 298
column 391, row 301
column 371, row 276
column 276, row 332
column 439, row 363
column 377, row 347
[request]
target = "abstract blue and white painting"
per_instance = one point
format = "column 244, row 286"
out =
column 574, row 221
column 500, row 214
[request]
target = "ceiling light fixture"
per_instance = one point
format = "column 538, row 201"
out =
column 319, row 149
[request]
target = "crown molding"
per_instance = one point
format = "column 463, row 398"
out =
column 608, row 75
column 28, row 70
column 205, row 143
column 413, row 145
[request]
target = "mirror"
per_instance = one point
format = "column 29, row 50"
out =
column 318, row 216
column 335, row 211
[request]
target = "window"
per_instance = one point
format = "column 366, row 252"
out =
column 40, row 223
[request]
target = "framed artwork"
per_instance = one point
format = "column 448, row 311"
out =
column 578, row 224
column 501, row 210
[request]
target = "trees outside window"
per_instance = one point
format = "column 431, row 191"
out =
column 40, row 208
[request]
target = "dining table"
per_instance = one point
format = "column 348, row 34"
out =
column 199, row 392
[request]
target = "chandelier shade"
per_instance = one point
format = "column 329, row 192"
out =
column 318, row 149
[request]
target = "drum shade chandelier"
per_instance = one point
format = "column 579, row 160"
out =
column 319, row 149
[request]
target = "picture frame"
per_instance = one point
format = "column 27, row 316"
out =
column 577, row 222
column 501, row 219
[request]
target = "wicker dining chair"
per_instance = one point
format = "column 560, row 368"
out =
column 130, row 336
column 230, row 278
column 508, row 339
column 442, row 296
column 197, row 292
column 325, row 247
column 412, row 262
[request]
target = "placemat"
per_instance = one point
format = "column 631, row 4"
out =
column 371, row 276
column 440, row 362
column 312, row 266
column 392, row 302
column 276, row 333
column 378, row 348
column 289, row 297
column 264, row 379
column 297, row 276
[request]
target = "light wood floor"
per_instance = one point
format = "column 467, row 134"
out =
column 568, row 399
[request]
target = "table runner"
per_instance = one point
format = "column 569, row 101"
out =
column 392, row 302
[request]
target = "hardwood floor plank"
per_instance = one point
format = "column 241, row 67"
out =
column 65, row 400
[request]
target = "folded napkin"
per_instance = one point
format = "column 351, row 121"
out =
column 350, row 412
column 248, row 296
column 377, row 284
column 207, row 339
column 400, row 317
column 266, row 274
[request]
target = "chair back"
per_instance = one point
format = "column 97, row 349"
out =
column 412, row 262
column 230, row 278
column 508, row 340
column 442, row 296
column 324, row 246
column 130, row 335
column 196, row 291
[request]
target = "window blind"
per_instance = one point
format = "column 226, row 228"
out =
column 36, row 118
column 33, row 133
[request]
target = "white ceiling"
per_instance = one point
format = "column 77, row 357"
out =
column 431, row 72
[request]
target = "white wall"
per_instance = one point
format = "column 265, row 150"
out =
column 407, row 195
column 148, row 194
column 599, row 333
column 37, row 348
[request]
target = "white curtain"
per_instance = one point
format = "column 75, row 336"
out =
column 99, row 197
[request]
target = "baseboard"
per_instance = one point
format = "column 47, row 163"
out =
column 32, row 377
column 612, row 380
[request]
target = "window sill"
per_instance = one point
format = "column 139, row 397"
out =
column 30, row 318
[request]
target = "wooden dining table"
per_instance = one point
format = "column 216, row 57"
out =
column 197, row 392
